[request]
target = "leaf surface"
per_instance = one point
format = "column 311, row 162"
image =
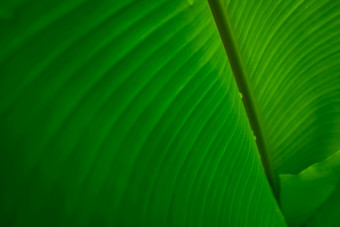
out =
column 302, row 194
column 328, row 213
column 289, row 52
column 123, row 113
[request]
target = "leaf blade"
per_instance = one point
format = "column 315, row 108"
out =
column 124, row 114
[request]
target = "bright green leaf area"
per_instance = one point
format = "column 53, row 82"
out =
column 129, row 112
column 291, row 54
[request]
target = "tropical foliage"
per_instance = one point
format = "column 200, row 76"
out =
column 169, row 113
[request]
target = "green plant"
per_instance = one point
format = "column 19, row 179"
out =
column 130, row 113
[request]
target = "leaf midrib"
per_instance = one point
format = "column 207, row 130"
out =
column 222, row 21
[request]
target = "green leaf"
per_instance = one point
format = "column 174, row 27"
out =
column 169, row 112
column 302, row 194
column 328, row 213
column 124, row 113
column 287, row 53
column 286, row 56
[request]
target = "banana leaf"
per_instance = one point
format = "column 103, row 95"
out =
column 168, row 112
